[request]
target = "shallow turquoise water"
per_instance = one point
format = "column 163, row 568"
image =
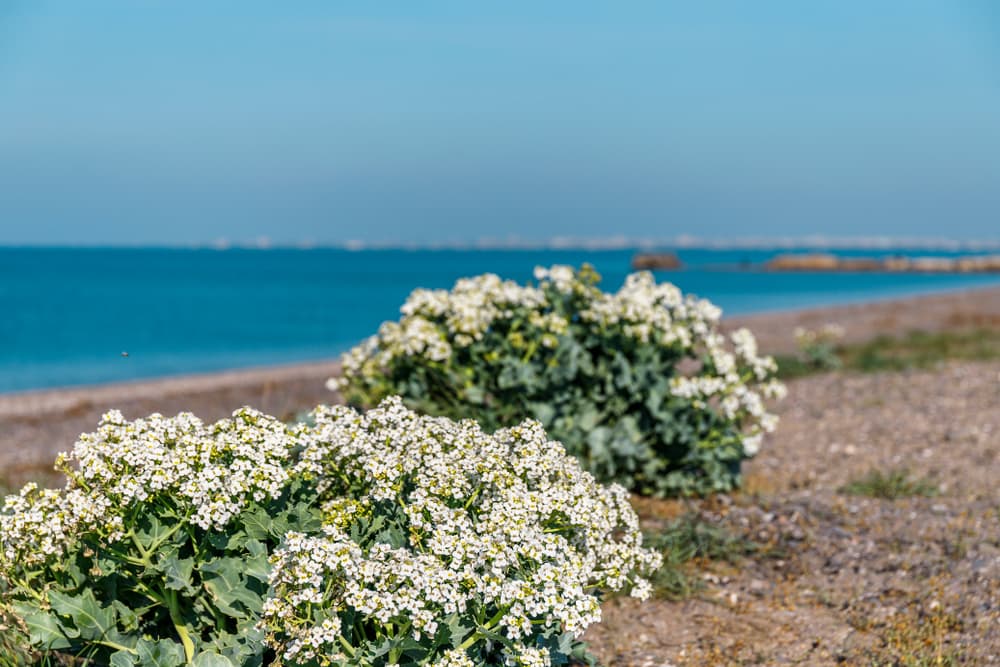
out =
column 68, row 314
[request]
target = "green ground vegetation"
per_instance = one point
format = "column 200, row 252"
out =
column 917, row 349
column 689, row 544
column 890, row 485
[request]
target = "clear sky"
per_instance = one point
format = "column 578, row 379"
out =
column 142, row 121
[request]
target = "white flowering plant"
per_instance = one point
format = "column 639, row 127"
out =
column 156, row 550
column 452, row 547
column 640, row 384
column 818, row 348
column 371, row 538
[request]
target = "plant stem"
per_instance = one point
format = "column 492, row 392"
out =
column 472, row 639
column 116, row 646
column 181, row 629
column 346, row 645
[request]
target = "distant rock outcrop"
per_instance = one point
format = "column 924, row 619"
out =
column 898, row 264
column 656, row 261
column 810, row 262
column 981, row 264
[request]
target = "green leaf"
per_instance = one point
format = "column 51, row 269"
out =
column 127, row 617
column 220, row 541
column 152, row 531
column 44, row 630
column 393, row 537
column 108, row 566
column 90, row 618
column 177, row 572
column 588, row 419
column 223, row 580
column 72, row 568
column 245, row 647
column 122, row 659
column 162, row 653
column 543, row 412
column 475, row 395
column 458, row 629
column 207, row 659
column 257, row 564
column 258, row 525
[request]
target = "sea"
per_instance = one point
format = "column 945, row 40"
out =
column 77, row 316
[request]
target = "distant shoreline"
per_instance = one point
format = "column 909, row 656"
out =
column 682, row 242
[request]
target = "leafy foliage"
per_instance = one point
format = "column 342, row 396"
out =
column 153, row 554
column 638, row 385
column 167, row 593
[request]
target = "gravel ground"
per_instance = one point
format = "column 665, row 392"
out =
column 849, row 580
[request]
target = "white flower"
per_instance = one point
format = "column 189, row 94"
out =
column 751, row 444
column 507, row 522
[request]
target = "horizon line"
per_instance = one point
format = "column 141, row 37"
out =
column 680, row 242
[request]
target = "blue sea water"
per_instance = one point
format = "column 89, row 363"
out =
column 67, row 314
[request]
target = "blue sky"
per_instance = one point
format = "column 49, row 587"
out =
column 144, row 121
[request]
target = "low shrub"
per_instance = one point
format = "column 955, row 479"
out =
column 640, row 385
column 360, row 539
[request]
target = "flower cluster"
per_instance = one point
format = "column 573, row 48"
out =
column 505, row 528
column 818, row 348
column 37, row 524
column 592, row 366
column 737, row 381
column 466, row 313
column 209, row 473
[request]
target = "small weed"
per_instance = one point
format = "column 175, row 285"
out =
column 889, row 486
column 687, row 541
column 917, row 638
